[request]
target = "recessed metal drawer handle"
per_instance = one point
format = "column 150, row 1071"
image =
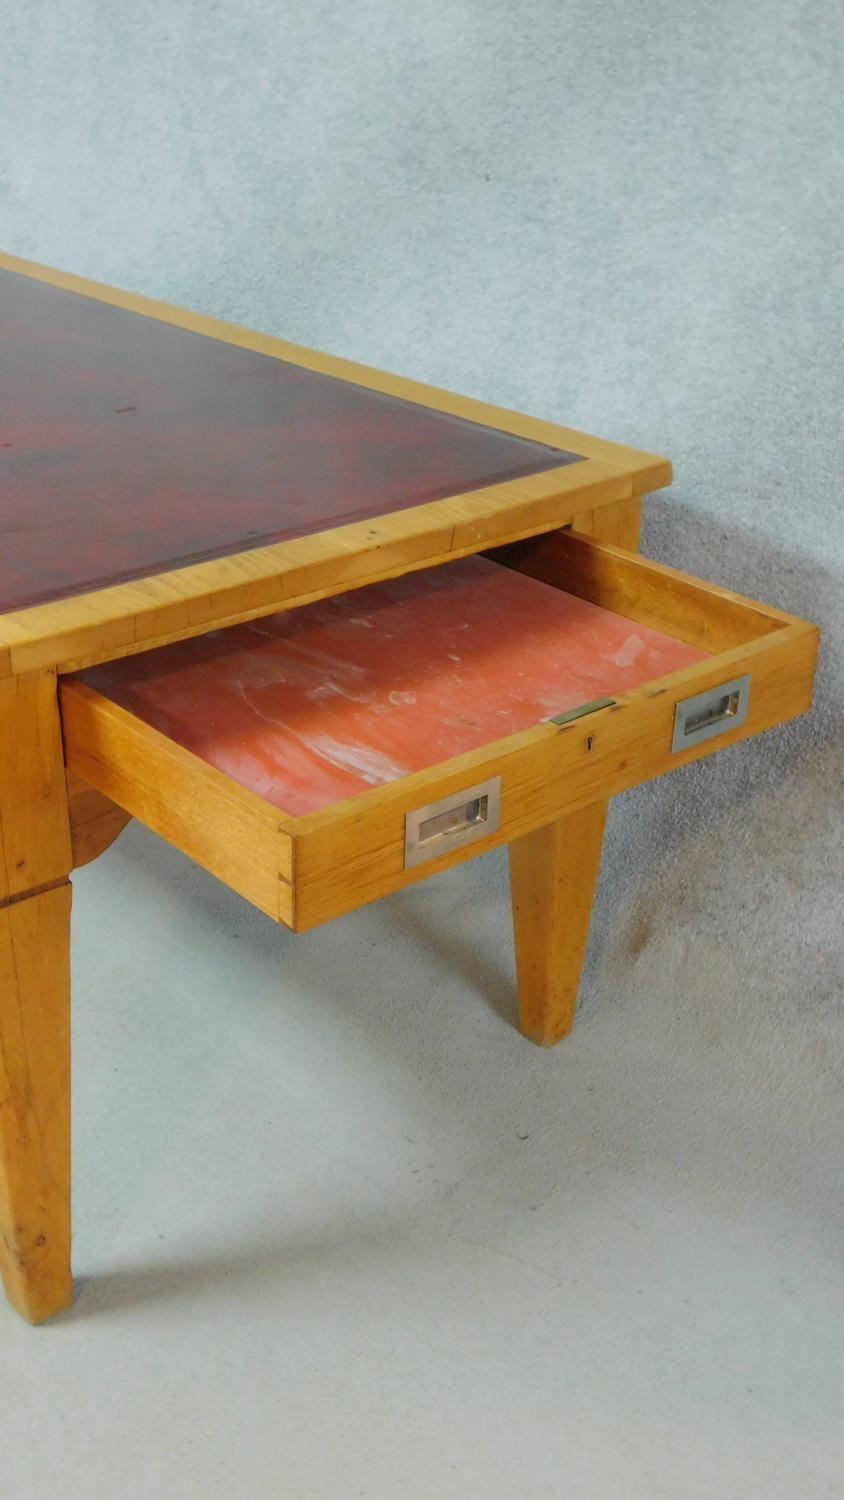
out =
column 452, row 822
column 712, row 713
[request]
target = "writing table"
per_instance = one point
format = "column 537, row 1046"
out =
column 327, row 631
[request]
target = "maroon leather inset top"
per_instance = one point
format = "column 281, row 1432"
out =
column 128, row 446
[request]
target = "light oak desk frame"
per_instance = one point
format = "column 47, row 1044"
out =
column 69, row 765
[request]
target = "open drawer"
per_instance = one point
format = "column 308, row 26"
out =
column 319, row 759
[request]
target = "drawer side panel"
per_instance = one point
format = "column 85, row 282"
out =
column 232, row 834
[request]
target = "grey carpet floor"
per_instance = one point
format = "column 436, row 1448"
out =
column 339, row 1231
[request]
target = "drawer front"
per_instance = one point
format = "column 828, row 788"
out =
column 355, row 853
column 306, row 869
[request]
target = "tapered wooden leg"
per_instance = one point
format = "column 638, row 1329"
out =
column 35, row 1103
column 553, row 873
column 35, row 861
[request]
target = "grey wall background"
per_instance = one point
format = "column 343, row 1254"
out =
column 626, row 217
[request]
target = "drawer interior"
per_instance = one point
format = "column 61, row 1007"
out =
column 318, row 759
column 317, row 705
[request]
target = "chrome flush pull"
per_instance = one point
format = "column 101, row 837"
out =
column 711, row 713
column 452, row 822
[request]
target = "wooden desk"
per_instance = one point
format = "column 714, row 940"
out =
column 163, row 475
